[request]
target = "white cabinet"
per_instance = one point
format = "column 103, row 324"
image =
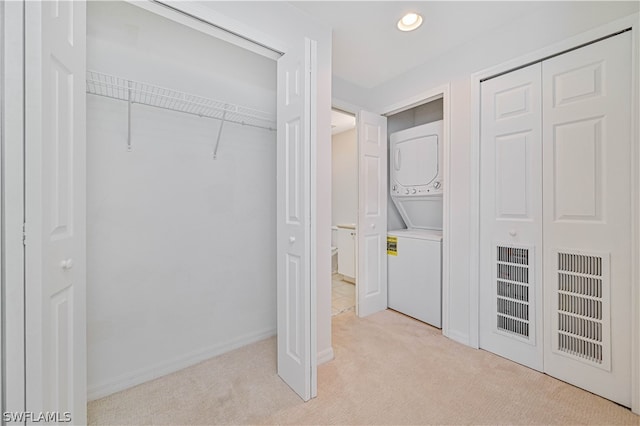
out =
column 347, row 251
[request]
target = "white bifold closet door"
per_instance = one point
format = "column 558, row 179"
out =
column 587, row 217
column 511, row 217
column 55, row 194
column 556, row 172
column 296, row 337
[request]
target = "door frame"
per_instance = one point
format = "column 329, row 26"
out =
column 12, row 207
column 350, row 109
column 628, row 22
column 13, row 178
column 440, row 92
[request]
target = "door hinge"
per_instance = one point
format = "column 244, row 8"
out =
column 24, row 234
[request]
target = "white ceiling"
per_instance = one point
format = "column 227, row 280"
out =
column 368, row 49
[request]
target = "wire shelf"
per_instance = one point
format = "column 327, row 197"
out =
column 147, row 94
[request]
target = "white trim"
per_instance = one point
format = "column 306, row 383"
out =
column 415, row 100
column 3, row 299
column 216, row 25
column 635, row 212
column 446, row 214
column 34, row 373
column 346, row 106
column 631, row 21
column 456, row 336
column 325, row 356
column 474, row 216
column 440, row 92
column 313, row 223
column 146, row 374
column 13, row 206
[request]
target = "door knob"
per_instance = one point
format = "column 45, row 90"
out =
column 513, row 232
column 66, row 264
column 292, row 240
column 373, row 226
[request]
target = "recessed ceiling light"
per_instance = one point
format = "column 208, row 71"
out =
column 409, row 22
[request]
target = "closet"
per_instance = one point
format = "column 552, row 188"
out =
column 181, row 196
column 555, row 216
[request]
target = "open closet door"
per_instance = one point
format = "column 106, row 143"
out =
column 55, row 196
column 371, row 274
column 295, row 332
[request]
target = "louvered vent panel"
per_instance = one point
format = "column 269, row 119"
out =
column 582, row 322
column 512, row 290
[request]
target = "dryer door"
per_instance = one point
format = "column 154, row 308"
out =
column 415, row 160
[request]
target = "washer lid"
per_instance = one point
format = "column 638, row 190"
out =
column 419, row 234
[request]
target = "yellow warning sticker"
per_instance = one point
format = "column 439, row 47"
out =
column 392, row 246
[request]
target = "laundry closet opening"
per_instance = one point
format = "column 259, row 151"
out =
column 181, row 208
column 415, row 211
column 406, row 191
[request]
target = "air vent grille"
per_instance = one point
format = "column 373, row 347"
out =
column 581, row 317
column 512, row 290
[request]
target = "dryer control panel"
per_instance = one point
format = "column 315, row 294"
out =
column 434, row 188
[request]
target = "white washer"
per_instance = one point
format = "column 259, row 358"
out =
column 415, row 274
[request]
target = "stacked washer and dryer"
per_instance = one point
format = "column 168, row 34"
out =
column 415, row 253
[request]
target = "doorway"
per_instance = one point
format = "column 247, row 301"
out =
column 344, row 211
column 55, row 250
column 427, row 107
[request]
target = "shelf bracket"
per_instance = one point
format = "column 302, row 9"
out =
column 129, row 148
column 215, row 149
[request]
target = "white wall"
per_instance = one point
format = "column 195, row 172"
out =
column 550, row 24
column 344, row 177
column 181, row 247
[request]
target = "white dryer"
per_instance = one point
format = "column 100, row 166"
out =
column 416, row 181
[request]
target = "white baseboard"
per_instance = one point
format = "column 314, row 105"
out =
column 125, row 381
column 325, row 355
column 457, row 336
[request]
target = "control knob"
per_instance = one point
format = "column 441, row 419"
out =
column 406, row 191
column 437, row 184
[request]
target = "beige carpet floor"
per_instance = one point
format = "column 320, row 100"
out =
column 388, row 369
